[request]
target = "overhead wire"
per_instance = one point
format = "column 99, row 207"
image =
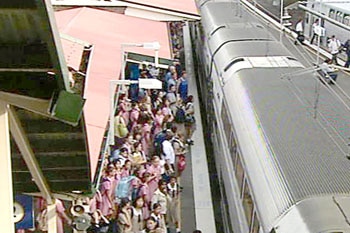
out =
column 306, row 103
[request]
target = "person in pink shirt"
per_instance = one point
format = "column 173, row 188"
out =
column 134, row 115
column 145, row 193
column 61, row 215
column 158, row 121
column 166, row 110
column 129, row 143
column 146, row 136
column 138, row 155
column 126, row 171
column 154, row 170
column 107, row 204
column 95, row 202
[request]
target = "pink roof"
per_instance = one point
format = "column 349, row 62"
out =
column 72, row 53
column 106, row 31
column 186, row 6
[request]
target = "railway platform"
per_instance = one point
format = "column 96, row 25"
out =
column 196, row 200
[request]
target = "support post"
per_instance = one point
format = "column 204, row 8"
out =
column 6, row 196
column 156, row 58
column 112, row 88
column 281, row 20
column 51, row 218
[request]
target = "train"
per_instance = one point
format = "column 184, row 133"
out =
column 280, row 136
column 333, row 9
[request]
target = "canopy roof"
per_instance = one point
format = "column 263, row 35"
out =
column 183, row 6
column 106, row 31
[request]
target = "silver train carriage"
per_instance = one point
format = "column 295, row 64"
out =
column 334, row 9
column 282, row 162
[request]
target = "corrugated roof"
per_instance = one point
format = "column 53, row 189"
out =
column 73, row 52
column 106, row 31
column 186, row 6
column 307, row 157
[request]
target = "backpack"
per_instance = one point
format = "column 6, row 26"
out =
column 157, row 142
column 181, row 164
column 180, row 115
column 124, row 188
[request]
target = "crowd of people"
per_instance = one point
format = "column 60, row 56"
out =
column 140, row 188
column 334, row 45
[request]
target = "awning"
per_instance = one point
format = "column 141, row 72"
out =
column 182, row 6
column 158, row 10
column 140, row 58
column 106, row 31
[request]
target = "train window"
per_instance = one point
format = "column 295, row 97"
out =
column 307, row 17
column 248, row 203
column 233, row 147
column 331, row 14
column 225, row 116
column 239, row 173
column 322, row 22
column 224, row 205
column 256, row 224
column 339, row 16
column 346, row 20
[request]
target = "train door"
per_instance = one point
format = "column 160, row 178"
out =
column 346, row 20
column 309, row 20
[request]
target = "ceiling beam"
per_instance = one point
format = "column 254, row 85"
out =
column 29, row 70
column 36, row 105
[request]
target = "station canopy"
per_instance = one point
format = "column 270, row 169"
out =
column 106, row 31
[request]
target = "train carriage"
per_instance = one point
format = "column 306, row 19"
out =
column 335, row 10
column 280, row 148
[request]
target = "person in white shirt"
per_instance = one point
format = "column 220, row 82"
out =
column 314, row 35
column 299, row 30
column 327, row 69
column 299, row 27
column 333, row 46
column 169, row 154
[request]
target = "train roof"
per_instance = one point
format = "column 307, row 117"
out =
column 215, row 14
column 231, row 37
column 303, row 156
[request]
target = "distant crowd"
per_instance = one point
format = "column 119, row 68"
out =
column 334, row 45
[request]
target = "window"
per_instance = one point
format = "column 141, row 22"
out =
column 339, row 16
column 256, row 225
column 225, row 116
column 248, row 204
column 233, row 147
column 331, row 14
column 346, row 20
column 225, row 207
column 239, row 173
column 322, row 22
